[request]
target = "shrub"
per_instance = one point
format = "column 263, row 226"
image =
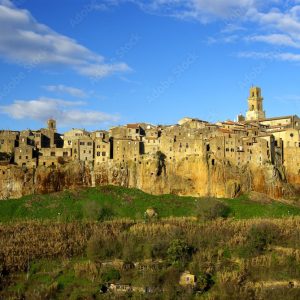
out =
column 91, row 210
column 210, row 209
column 99, row 247
column 260, row 236
column 204, row 282
column 94, row 211
column 111, row 275
column 178, row 252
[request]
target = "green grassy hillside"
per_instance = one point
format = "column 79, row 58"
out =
column 69, row 245
column 112, row 202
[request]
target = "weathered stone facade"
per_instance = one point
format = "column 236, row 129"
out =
column 192, row 158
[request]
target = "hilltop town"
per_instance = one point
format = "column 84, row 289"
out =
column 253, row 141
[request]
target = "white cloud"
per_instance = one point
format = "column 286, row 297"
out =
column 275, row 39
column 63, row 89
column 285, row 56
column 67, row 113
column 200, row 10
column 25, row 41
column 276, row 22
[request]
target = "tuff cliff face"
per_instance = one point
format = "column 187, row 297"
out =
column 193, row 177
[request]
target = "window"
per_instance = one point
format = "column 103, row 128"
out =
column 98, row 153
column 52, row 154
column 89, row 143
column 103, row 153
column 65, row 153
column 82, row 143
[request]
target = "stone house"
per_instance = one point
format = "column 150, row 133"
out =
column 102, row 148
column 8, row 141
column 126, row 150
column 25, row 156
column 86, row 149
column 187, row 279
column 54, row 156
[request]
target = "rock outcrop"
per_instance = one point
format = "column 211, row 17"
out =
column 192, row 177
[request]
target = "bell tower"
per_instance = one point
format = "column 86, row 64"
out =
column 51, row 125
column 255, row 105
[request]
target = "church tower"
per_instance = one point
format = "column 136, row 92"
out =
column 255, row 105
column 51, row 125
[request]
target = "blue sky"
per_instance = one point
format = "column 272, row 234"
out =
column 95, row 64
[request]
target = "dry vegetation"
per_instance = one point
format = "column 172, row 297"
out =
column 247, row 259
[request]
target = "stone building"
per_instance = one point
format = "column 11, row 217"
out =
column 281, row 123
column 54, row 156
column 126, row 150
column 8, row 141
column 254, row 142
column 255, row 105
column 25, row 156
column 102, row 150
column 187, row 279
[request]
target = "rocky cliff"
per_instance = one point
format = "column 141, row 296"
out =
column 193, row 177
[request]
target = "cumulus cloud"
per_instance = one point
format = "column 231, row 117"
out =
column 63, row 89
column 24, row 40
column 67, row 113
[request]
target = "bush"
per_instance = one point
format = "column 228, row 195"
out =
column 178, row 252
column 204, row 282
column 99, row 247
column 210, row 209
column 111, row 275
column 94, row 211
column 91, row 210
column 260, row 236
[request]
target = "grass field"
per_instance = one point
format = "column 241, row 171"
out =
column 53, row 247
column 116, row 202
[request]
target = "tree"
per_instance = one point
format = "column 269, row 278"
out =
column 179, row 252
column 210, row 209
